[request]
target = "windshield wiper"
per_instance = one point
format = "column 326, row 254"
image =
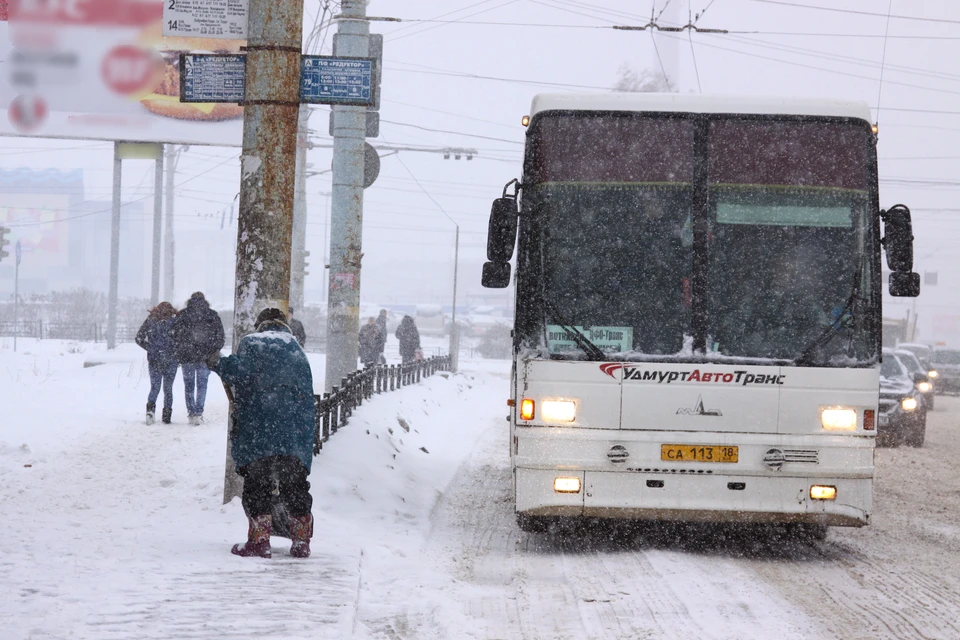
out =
column 582, row 341
column 832, row 331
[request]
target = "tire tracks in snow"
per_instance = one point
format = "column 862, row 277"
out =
column 596, row 584
column 899, row 577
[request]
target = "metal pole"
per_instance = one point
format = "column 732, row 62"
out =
column 298, row 259
column 454, row 329
column 267, row 182
column 349, row 129
column 326, row 245
column 157, row 229
column 172, row 153
column 16, row 300
column 114, row 250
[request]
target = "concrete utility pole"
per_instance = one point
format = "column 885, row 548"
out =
column 454, row 328
column 298, row 257
column 157, row 229
column 114, row 249
column 171, row 155
column 349, row 130
column 265, row 222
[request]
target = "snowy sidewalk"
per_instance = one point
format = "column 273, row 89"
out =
column 115, row 529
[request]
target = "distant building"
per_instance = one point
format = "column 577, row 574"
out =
column 65, row 239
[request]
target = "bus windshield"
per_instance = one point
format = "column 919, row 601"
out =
column 783, row 244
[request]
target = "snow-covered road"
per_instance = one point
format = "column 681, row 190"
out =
column 115, row 530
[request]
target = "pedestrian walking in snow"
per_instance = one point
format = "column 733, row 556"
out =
column 370, row 339
column 156, row 337
column 382, row 326
column 409, row 338
column 272, row 438
column 297, row 328
column 197, row 332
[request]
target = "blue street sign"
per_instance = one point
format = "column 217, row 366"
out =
column 19, row 252
column 206, row 77
column 337, row 80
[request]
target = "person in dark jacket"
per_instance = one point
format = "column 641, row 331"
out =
column 272, row 440
column 382, row 345
column 409, row 339
column 156, row 337
column 296, row 327
column 369, row 343
column 197, row 332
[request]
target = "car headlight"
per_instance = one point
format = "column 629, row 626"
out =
column 932, row 374
column 924, row 387
column 558, row 411
column 838, row 419
column 908, row 404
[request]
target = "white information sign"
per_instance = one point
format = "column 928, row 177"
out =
column 617, row 339
column 206, row 18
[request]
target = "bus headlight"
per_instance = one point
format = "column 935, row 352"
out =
column 924, row 387
column 909, row 404
column 838, row 419
column 558, row 411
column 932, row 374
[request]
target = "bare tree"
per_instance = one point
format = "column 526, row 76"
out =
column 644, row 81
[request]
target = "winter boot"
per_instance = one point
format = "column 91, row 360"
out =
column 151, row 410
column 167, row 414
column 258, row 539
column 301, row 530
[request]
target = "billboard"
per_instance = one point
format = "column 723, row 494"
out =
column 37, row 206
column 102, row 70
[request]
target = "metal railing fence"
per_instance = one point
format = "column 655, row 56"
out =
column 335, row 408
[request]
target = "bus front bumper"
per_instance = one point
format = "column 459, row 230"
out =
column 695, row 498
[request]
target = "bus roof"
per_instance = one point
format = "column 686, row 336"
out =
column 695, row 103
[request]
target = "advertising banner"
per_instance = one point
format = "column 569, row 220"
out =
column 102, row 70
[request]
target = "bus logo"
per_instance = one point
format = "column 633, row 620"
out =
column 739, row 377
column 698, row 410
column 611, row 368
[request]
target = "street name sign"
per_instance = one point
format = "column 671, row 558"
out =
column 226, row 19
column 337, row 80
column 211, row 77
column 216, row 77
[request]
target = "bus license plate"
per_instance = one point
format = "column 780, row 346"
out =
column 698, row 453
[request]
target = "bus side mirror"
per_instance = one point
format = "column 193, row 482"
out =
column 904, row 284
column 502, row 230
column 898, row 238
column 898, row 245
column 496, row 275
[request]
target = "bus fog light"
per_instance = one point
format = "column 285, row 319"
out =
column 558, row 410
column 924, row 387
column 526, row 409
column 837, row 419
column 821, row 492
column 566, row 485
column 909, row 404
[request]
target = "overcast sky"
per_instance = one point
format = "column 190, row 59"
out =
column 462, row 73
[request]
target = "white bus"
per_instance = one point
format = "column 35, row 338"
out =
column 698, row 309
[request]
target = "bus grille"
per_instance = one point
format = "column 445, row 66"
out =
column 801, row 455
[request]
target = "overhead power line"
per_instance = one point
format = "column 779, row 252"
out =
column 816, row 68
column 391, row 38
column 883, row 60
column 861, row 13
